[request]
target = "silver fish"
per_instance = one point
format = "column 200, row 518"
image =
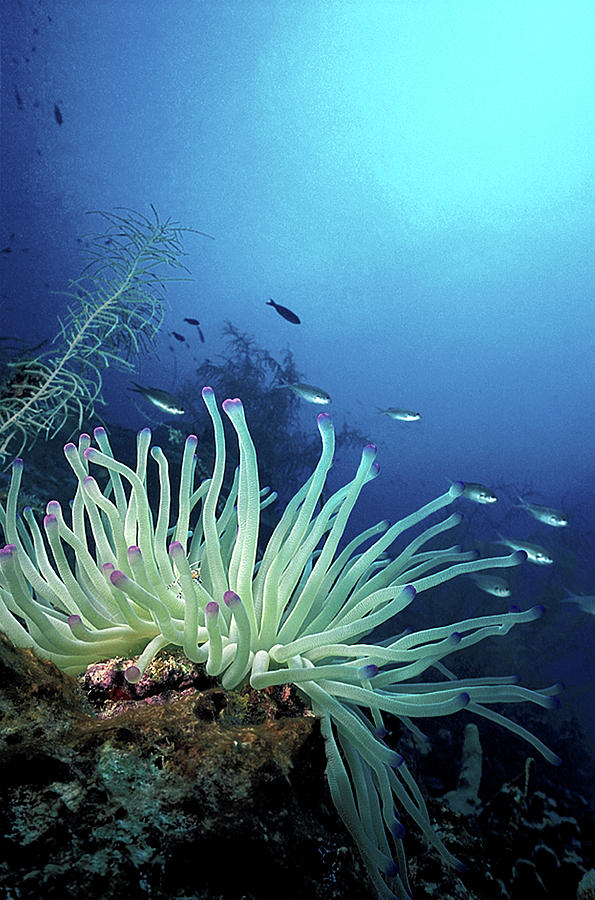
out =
column 160, row 399
column 307, row 392
column 491, row 584
column 479, row 493
column 402, row 415
column 546, row 514
column 587, row 604
column 535, row 553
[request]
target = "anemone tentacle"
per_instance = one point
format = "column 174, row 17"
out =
column 107, row 583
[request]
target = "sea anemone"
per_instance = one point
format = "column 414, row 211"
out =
column 107, row 583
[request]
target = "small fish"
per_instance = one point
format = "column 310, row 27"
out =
column 197, row 323
column 6, row 250
column 159, row 398
column 307, row 392
column 58, row 114
column 18, row 98
column 479, row 493
column 178, row 337
column 545, row 514
column 283, row 311
column 491, row 584
column 535, row 553
column 402, row 415
column 587, row 604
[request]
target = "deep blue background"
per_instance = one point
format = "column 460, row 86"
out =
column 414, row 179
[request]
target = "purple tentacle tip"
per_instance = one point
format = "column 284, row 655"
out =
column 49, row 521
column 231, row 405
column 230, row 598
column 212, row 608
column 132, row 674
column 175, row 548
column 17, row 463
column 398, row 830
column 74, row 620
column 207, row 391
column 117, row 577
column 369, row 671
column 397, row 760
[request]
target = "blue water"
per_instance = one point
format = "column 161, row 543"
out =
column 414, row 180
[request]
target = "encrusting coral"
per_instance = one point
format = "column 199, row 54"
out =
column 107, row 583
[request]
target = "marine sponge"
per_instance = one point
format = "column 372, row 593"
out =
column 107, row 583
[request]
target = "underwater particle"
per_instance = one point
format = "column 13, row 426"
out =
column 306, row 392
column 58, row 114
column 402, row 415
column 285, row 312
column 159, row 398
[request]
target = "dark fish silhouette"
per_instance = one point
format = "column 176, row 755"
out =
column 197, row 323
column 283, row 311
column 6, row 250
column 58, row 114
column 18, row 98
column 178, row 337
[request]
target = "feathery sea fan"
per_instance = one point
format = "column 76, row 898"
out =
column 106, row 583
column 115, row 311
